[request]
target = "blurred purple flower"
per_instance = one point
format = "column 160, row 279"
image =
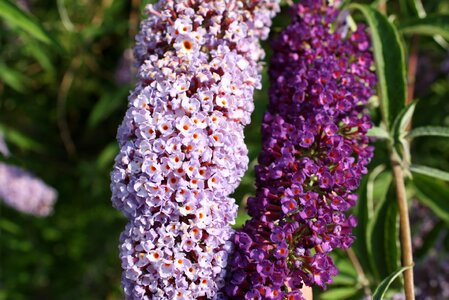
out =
column 3, row 146
column 431, row 271
column 24, row 192
column 314, row 152
column 124, row 72
column 24, row 4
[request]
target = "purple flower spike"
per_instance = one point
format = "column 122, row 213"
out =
column 315, row 150
column 25, row 192
column 181, row 144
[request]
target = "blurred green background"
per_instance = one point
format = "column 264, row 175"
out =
column 61, row 101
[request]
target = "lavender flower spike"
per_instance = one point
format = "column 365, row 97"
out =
column 314, row 151
column 181, row 144
column 24, row 192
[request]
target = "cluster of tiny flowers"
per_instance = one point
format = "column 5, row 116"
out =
column 314, row 151
column 24, row 192
column 181, row 143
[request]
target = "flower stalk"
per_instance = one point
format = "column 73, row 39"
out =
column 181, row 143
column 314, row 151
column 406, row 239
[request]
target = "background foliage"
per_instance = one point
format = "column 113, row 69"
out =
column 65, row 72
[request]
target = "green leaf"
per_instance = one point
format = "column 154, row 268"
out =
column 402, row 121
column 346, row 272
column 430, row 26
column 106, row 156
column 382, row 236
column 107, row 104
column 373, row 190
column 17, row 17
column 379, row 132
column 382, row 288
column 362, row 213
column 428, row 131
column 40, row 53
column 390, row 62
column 344, row 279
column 339, row 293
column 9, row 226
column 435, row 173
column 433, row 193
column 413, row 8
column 13, row 78
column 242, row 216
column 378, row 185
column 20, row 140
column 399, row 131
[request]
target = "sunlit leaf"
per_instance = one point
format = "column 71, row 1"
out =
column 390, row 62
column 428, row 171
column 378, row 132
column 399, row 131
column 413, row 8
column 382, row 236
column 430, row 26
column 382, row 288
column 428, row 131
column 433, row 193
column 339, row 293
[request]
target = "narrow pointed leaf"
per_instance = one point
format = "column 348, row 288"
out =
column 402, row 120
column 106, row 157
column 19, row 139
column 13, row 78
column 413, row 8
column 339, row 293
column 430, row 26
column 13, row 15
column 428, row 171
column 379, row 133
column 382, row 288
column 382, row 237
column 107, row 105
column 433, row 193
column 390, row 62
column 428, row 131
column 399, row 131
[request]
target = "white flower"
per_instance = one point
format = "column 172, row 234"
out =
column 185, row 125
column 190, row 105
column 191, row 272
column 143, row 259
column 182, row 26
column 156, row 256
column 187, row 209
column 182, row 294
column 166, row 269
